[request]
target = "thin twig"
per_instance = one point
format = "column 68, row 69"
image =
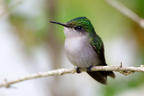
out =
column 127, row 12
column 60, row 72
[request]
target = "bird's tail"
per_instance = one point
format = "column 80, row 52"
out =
column 101, row 76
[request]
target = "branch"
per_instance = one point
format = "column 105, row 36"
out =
column 59, row 72
column 127, row 12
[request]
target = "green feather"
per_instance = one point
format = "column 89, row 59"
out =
column 84, row 22
column 98, row 46
column 97, row 43
column 95, row 40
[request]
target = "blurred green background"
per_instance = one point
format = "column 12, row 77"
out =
column 40, row 45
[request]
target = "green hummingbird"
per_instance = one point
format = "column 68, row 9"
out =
column 84, row 48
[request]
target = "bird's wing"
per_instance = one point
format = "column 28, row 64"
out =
column 100, row 76
column 98, row 46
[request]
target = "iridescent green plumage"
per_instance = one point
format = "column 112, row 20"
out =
column 95, row 40
column 84, row 22
column 97, row 44
column 92, row 47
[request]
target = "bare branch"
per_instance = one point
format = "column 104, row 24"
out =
column 59, row 72
column 127, row 12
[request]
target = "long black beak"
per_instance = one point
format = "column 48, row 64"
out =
column 59, row 23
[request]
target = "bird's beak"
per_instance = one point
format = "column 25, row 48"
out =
column 59, row 23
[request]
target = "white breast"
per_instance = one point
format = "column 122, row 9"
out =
column 80, row 52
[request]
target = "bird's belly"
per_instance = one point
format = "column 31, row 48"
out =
column 80, row 53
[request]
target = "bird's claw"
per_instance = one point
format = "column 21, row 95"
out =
column 89, row 68
column 78, row 70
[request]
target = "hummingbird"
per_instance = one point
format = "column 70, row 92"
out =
column 84, row 48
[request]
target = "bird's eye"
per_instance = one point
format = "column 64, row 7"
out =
column 79, row 28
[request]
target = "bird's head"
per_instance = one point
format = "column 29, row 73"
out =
column 77, row 27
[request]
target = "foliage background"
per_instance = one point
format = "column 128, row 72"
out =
column 29, row 44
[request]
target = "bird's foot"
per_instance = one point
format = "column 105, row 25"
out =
column 78, row 70
column 89, row 68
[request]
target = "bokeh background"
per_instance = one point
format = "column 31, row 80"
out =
column 30, row 44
